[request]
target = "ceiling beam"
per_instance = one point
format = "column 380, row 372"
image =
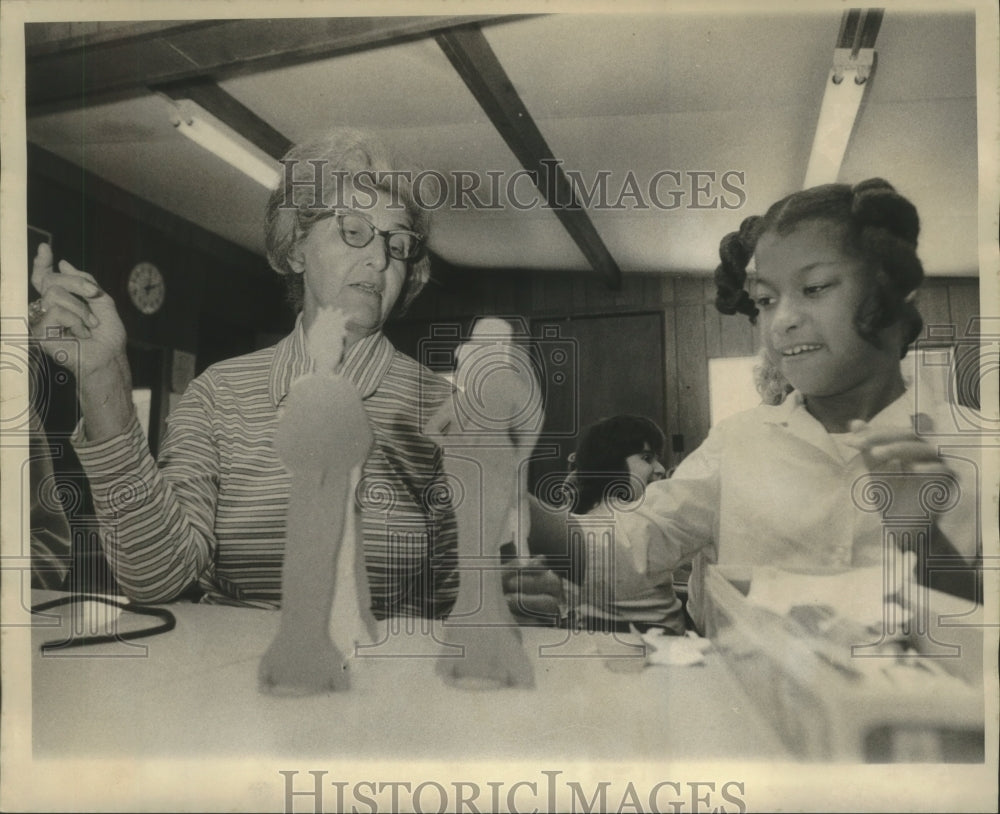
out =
column 74, row 71
column 859, row 28
column 476, row 62
column 48, row 38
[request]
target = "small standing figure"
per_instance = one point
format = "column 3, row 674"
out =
column 323, row 438
column 488, row 433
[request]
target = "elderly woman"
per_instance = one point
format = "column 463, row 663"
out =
column 211, row 510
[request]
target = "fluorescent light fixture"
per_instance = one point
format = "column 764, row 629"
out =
column 845, row 89
column 208, row 132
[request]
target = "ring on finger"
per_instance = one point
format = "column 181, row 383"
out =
column 36, row 310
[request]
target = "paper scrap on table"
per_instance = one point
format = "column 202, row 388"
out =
column 675, row 651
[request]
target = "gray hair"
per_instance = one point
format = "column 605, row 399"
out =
column 293, row 207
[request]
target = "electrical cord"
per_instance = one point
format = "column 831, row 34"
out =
column 169, row 621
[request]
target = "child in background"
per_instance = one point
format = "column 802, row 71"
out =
column 833, row 278
column 615, row 460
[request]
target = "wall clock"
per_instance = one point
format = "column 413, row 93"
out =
column 146, row 288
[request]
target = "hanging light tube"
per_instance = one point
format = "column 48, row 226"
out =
column 845, row 90
column 209, row 133
column 846, row 84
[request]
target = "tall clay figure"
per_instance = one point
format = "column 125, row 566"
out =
column 487, row 433
column 323, row 438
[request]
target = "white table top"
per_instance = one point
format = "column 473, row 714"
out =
column 194, row 691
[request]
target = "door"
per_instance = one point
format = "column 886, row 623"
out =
column 594, row 367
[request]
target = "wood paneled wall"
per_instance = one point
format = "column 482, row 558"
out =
column 694, row 331
column 106, row 231
column 224, row 301
column 218, row 296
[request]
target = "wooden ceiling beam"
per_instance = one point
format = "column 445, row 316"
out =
column 76, row 71
column 859, row 28
column 475, row 61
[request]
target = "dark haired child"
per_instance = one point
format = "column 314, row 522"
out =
column 615, row 460
column 617, row 454
column 832, row 280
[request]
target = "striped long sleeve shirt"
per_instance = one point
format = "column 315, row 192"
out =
column 211, row 510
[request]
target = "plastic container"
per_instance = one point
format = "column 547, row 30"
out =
column 833, row 702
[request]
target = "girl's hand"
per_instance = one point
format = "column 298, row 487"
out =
column 948, row 543
column 75, row 321
column 894, row 446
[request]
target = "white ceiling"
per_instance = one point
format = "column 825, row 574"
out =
column 683, row 92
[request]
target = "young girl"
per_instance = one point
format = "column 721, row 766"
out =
column 832, row 279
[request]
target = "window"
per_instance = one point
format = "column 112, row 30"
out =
column 731, row 386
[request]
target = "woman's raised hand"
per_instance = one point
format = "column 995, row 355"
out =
column 76, row 323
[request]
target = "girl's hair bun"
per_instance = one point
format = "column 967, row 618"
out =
column 876, row 203
column 735, row 251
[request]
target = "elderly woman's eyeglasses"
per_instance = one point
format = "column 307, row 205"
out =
column 358, row 232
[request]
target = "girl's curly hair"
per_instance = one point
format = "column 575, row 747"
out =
column 880, row 226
